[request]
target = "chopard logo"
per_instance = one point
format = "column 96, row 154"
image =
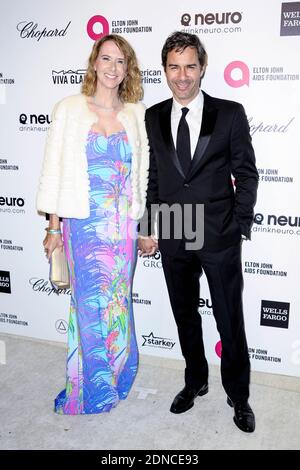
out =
column 269, row 128
column 30, row 29
column 43, row 285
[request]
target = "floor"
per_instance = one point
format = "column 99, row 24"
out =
column 32, row 373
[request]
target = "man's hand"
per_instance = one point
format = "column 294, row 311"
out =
column 147, row 246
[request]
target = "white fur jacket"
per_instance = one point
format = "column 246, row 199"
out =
column 64, row 182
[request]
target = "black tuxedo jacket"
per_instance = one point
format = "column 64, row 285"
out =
column 224, row 150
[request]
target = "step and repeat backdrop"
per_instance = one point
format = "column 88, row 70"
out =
column 253, row 58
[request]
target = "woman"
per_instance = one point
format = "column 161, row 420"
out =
column 94, row 177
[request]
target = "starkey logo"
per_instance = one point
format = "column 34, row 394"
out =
column 157, row 341
column 97, row 20
column 237, row 74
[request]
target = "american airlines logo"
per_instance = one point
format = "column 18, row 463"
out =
column 68, row 77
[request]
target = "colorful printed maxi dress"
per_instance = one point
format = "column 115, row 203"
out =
column 102, row 351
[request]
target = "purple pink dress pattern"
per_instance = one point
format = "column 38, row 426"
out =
column 101, row 250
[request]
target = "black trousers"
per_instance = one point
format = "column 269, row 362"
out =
column 223, row 270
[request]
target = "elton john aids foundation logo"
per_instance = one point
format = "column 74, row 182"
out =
column 237, row 74
column 218, row 349
column 93, row 25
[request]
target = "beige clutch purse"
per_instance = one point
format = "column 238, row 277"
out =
column 59, row 271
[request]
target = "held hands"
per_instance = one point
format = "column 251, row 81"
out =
column 51, row 242
column 147, row 246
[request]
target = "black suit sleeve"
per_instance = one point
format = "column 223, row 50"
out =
column 48, row 217
column 146, row 226
column 244, row 171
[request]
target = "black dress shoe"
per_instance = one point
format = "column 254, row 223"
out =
column 185, row 399
column 243, row 415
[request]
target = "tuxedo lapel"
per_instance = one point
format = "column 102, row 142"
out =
column 166, row 131
column 209, row 118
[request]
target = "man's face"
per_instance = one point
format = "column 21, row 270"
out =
column 183, row 74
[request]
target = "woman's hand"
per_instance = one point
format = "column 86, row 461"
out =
column 51, row 242
column 147, row 246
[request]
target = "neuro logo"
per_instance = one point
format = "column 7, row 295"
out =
column 210, row 18
column 12, row 205
column 186, row 19
column 258, row 218
column 281, row 220
column 34, row 119
column 241, row 74
column 95, row 20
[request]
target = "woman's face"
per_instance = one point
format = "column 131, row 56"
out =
column 110, row 66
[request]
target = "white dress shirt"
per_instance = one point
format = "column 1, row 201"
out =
column 193, row 118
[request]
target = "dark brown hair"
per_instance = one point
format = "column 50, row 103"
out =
column 180, row 41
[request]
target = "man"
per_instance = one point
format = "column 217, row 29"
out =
column 196, row 144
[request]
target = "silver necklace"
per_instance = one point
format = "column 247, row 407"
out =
column 103, row 107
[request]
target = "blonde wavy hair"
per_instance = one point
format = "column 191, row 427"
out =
column 130, row 90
